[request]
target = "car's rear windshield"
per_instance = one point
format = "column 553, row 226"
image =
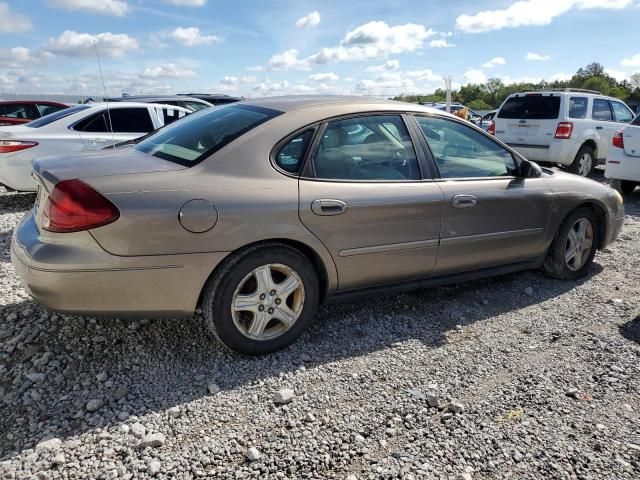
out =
column 52, row 117
column 636, row 121
column 532, row 106
column 201, row 134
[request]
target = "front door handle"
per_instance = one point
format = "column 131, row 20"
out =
column 98, row 140
column 599, row 128
column 464, row 201
column 328, row 206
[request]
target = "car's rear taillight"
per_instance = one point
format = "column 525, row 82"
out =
column 10, row 146
column 491, row 129
column 564, row 130
column 618, row 139
column 74, row 206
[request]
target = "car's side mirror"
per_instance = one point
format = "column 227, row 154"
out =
column 530, row 169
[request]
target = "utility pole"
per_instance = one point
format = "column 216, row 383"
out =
column 447, row 82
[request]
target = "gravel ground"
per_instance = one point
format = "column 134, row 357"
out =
column 514, row 377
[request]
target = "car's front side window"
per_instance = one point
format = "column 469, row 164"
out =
column 462, row 152
column 622, row 113
column 376, row 147
column 601, row 110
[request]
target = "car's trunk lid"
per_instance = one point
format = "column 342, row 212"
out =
column 528, row 119
column 631, row 137
column 102, row 163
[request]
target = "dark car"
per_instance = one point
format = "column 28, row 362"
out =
column 190, row 103
column 23, row 111
column 213, row 98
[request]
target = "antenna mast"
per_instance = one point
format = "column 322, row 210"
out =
column 104, row 89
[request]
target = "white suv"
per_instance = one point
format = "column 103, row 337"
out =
column 570, row 127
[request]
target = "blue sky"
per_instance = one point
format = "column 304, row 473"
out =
column 257, row 48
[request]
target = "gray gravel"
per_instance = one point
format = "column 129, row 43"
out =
column 514, row 377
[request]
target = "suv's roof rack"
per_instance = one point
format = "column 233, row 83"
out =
column 577, row 90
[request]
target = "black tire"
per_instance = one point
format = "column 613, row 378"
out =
column 576, row 167
column 555, row 265
column 625, row 187
column 219, row 290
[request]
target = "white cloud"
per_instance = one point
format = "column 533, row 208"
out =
column 11, row 22
column 494, row 62
column 232, row 81
column 366, row 42
column 191, row 37
column 268, row 87
column 425, row 75
column 309, row 21
column 617, row 74
column 388, row 83
column 255, row 68
column 12, row 57
column 440, row 43
column 324, row 77
column 187, row 3
column 168, row 70
column 474, row 76
column 632, row 61
column 560, row 77
column 537, row 57
column 74, row 44
column 529, row 13
column 101, row 7
column 388, row 65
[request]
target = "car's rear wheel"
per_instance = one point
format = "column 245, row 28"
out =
column 584, row 162
column 625, row 187
column 261, row 300
column 574, row 246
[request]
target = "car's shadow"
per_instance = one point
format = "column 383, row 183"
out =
column 16, row 202
column 165, row 363
column 631, row 330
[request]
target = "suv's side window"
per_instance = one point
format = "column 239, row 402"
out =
column 290, row 157
column 622, row 113
column 131, row 120
column 376, row 147
column 578, row 107
column 462, row 152
column 601, row 110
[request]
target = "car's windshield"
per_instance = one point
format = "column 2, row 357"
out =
column 203, row 133
column 52, row 117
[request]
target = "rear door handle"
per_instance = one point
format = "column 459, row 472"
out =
column 464, row 201
column 98, row 140
column 328, row 206
column 599, row 128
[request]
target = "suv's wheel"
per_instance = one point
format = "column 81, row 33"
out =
column 625, row 187
column 261, row 300
column 573, row 247
column 584, row 162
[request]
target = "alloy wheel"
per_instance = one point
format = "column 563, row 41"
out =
column 585, row 164
column 579, row 244
column 268, row 302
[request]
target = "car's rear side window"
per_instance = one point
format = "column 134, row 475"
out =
column 578, row 107
column 201, row 134
column 601, row 110
column 291, row 155
column 636, row 121
column 531, row 106
column 52, row 117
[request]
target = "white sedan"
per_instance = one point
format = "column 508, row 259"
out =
column 76, row 129
column 623, row 160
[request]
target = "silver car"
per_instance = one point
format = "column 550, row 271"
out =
column 258, row 211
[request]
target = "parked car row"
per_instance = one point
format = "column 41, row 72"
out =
column 257, row 211
column 573, row 128
column 76, row 129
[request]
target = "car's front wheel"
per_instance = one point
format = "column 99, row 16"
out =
column 625, row 187
column 574, row 246
column 261, row 300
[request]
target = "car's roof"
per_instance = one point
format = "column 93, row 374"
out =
column 128, row 98
column 32, row 102
column 129, row 104
column 295, row 102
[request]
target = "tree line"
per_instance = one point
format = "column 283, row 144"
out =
column 489, row 95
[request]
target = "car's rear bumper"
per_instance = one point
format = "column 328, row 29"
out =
column 562, row 152
column 620, row 166
column 80, row 277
